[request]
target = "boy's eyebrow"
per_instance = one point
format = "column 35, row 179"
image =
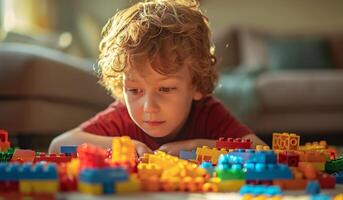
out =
column 170, row 76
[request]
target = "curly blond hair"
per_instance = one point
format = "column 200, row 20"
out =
column 169, row 34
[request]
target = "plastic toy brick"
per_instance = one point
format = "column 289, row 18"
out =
column 262, row 148
column 61, row 158
column 233, row 143
column 207, row 154
column 123, row 150
column 339, row 177
column 38, row 186
column 338, row 197
column 261, row 171
column 311, row 156
column 208, row 167
column 68, row 150
column 312, row 187
column 93, row 189
column 188, row 155
column 23, row 155
column 151, row 184
column 309, row 172
column 317, row 165
column 229, row 172
column 228, row 185
column 27, row 171
column 245, row 154
column 210, row 187
column 38, row 171
column 314, row 145
column 103, row 175
column 320, row 196
column 6, row 156
column 91, row 156
column 288, row 157
column 285, row 141
column 148, row 169
column 334, row 165
column 263, row 157
column 170, row 184
column 4, row 143
column 132, row 185
column 260, row 190
column 326, row 181
column 191, row 184
column 292, row 184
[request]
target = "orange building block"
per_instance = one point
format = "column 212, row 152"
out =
column 285, row 141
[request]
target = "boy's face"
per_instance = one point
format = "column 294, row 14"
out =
column 159, row 104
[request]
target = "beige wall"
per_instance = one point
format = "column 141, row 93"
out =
column 304, row 15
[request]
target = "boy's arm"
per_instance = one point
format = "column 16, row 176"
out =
column 76, row 137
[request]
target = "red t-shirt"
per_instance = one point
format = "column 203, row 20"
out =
column 208, row 119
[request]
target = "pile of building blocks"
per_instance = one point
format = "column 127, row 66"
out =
column 232, row 166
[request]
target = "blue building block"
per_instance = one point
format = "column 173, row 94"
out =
column 188, row 155
column 320, row 197
column 312, row 188
column 38, row 171
column 245, row 154
column 68, row 150
column 9, row 171
column 230, row 159
column 270, row 190
column 261, row 171
column 208, row 167
column 263, row 157
column 103, row 175
column 339, row 177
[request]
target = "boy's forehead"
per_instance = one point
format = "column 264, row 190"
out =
column 151, row 74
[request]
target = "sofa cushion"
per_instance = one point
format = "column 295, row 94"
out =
column 300, row 89
column 309, row 53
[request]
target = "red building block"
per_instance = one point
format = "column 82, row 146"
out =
column 326, row 181
column 91, row 156
column 288, row 157
column 4, row 143
column 23, row 155
column 233, row 143
column 61, row 158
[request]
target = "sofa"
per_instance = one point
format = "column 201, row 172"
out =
column 46, row 92
column 282, row 82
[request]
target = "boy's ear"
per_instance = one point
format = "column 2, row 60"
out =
column 197, row 95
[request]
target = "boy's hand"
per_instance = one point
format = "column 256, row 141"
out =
column 141, row 148
column 174, row 148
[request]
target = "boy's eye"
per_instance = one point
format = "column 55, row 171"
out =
column 134, row 91
column 166, row 89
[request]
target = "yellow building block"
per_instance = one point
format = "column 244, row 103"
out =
column 338, row 197
column 94, row 189
column 132, row 185
column 123, row 150
column 38, row 186
column 73, row 167
column 228, row 185
column 209, row 154
column 148, row 169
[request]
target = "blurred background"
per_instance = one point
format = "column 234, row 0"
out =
column 280, row 61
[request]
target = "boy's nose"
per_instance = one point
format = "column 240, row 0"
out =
column 150, row 104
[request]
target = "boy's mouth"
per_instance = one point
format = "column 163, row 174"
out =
column 154, row 123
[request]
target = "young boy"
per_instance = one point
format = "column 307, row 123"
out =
column 155, row 60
